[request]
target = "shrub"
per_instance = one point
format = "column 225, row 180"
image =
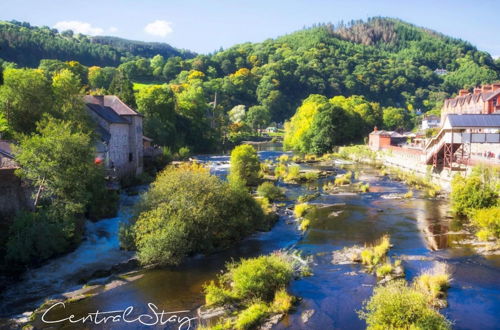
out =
column 216, row 295
column 280, row 171
column 397, row 306
column 310, row 176
column 37, row 236
column 344, row 179
column 284, row 158
column 270, row 191
column 364, row 188
column 252, row 316
column 282, row 302
column 432, row 284
column 188, row 211
column 300, row 209
column 471, row 193
column 183, row 153
column 293, row 173
column 372, row 256
column 304, row 224
column 384, row 270
column 488, row 222
column 245, row 165
column 258, row 278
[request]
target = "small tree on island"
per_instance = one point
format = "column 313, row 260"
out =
column 245, row 166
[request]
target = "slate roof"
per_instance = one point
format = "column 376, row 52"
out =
column 471, row 120
column 484, row 96
column 5, row 149
column 107, row 114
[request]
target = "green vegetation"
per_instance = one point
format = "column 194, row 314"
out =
column 270, row 191
column 343, row 179
column 488, row 222
column 433, row 284
column 257, row 286
column 308, row 197
column 245, row 166
column 188, row 211
column 399, row 306
column 372, row 256
column 300, row 209
column 304, row 224
column 473, row 192
column 384, row 270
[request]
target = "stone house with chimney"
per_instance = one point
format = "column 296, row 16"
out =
column 483, row 100
column 119, row 127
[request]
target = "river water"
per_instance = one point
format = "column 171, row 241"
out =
column 421, row 231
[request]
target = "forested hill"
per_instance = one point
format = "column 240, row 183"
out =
column 26, row 45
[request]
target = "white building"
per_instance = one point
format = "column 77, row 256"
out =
column 430, row 122
column 120, row 131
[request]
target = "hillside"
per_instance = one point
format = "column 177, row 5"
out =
column 26, row 45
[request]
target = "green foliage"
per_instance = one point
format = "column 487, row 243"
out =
column 270, row 191
column 183, row 153
column 300, row 209
column 471, row 193
column 384, row 270
column 433, row 285
column 398, row 306
column 304, row 224
column 371, row 256
column 252, row 316
column 258, row 116
column 343, row 179
column 408, row 194
column 293, row 173
column 308, row 197
column 488, row 222
column 35, row 237
column 25, row 97
column 206, row 215
column 122, row 87
column 282, row 301
column 157, row 104
column 396, row 118
column 257, row 278
column 245, row 165
column 29, row 44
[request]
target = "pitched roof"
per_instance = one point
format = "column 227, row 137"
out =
column 107, row 114
column 113, row 102
column 5, row 149
column 484, row 96
column 473, row 120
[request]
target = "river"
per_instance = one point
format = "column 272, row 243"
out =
column 421, row 230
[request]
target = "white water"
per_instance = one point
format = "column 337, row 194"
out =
column 100, row 250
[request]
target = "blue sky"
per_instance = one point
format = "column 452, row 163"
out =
column 206, row 25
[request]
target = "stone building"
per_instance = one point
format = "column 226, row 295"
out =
column 483, row 100
column 120, row 130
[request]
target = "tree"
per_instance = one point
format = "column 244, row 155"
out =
column 206, row 215
column 68, row 99
column 25, row 97
column 157, row 104
column 58, row 161
column 100, row 77
column 157, row 64
column 258, row 116
column 245, row 166
column 122, row 87
column 237, row 114
column 395, row 118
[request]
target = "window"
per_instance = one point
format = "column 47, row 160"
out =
column 130, row 157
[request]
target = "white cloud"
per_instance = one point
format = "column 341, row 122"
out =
column 79, row 27
column 159, row 28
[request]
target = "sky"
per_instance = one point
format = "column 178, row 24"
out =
column 204, row 26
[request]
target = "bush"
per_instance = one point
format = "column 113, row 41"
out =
column 258, row 278
column 245, row 166
column 488, row 222
column 433, row 284
column 384, row 270
column 206, row 215
column 304, row 224
column 270, row 191
column 408, row 194
column 284, row 158
column 216, row 295
column 252, row 316
column 308, row 197
column 293, row 173
column 397, row 306
column 300, row 209
column 280, row 171
column 468, row 194
column 282, row 302
column 372, row 256
column 183, row 153
column 37, row 236
column 344, row 179
column 310, row 176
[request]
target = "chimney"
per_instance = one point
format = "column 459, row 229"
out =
column 495, row 86
column 477, row 90
column 99, row 99
column 486, row 88
column 463, row 92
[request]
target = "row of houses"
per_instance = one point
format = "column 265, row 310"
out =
column 469, row 133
